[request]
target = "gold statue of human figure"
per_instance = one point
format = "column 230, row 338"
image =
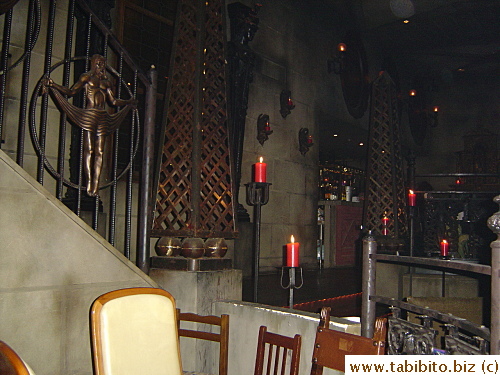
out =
column 95, row 120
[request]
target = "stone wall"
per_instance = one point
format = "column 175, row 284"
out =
column 293, row 44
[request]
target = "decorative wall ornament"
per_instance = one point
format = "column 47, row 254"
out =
column 305, row 140
column 409, row 338
column 263, row 128
column 286, row 103
column 95, row 120
column 168, row 246
column 455, row 343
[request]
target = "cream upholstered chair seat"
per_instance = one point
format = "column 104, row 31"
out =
column 134, row 331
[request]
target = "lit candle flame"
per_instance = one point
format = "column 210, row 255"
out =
column 261, row 159
column 411, row 192
column 292, row 239
column 444, row 241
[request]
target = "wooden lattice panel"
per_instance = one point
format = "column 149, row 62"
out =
column 216, row 211
column 385, row 183
column 196, row 101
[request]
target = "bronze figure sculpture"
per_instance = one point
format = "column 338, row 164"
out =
column 95, row 120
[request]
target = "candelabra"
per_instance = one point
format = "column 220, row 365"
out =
column 292, row 282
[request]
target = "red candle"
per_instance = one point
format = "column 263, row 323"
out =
column 443, row 246
column 412, row 199
column 385, row 222
column 259, row 171
column 292, row 253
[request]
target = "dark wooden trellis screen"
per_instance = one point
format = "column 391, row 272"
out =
column 194, row 196
column 385, row 188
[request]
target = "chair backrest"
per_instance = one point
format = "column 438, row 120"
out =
column 11, row 363
column 273, row 350
column 331, row 347
column 134, row 331
column 222, row 337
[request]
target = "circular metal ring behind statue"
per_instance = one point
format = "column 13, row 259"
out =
column 41, row 152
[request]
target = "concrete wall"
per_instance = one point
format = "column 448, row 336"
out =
column 52, row 268
column 246, row 318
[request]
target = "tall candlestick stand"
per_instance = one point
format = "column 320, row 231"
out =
column 257, row 196
column 411, row 214
column 292, row 282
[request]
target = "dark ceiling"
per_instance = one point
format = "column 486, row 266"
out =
column 443, row 40
column 440, row 35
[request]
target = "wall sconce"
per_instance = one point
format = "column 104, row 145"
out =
column 286, row 103
column 434, row 116
column 420, row 114
column 263, row 128
column 418, row 107
column 305, row 140
column 337, row 64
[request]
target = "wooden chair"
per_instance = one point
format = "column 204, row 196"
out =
column 331, row 347
column 274, row 349
column 11, row 363
column 222, row 337
column 134, row 331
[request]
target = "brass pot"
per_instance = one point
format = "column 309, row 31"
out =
column 192, row 248
column 168, row 246
column 215, row 247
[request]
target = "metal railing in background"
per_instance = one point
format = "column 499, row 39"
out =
column 55, row 155
column 460, row 336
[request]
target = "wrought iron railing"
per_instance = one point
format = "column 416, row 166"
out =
column 460, row 336
column 62, row 51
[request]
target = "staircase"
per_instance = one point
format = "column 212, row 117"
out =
column 53, row 264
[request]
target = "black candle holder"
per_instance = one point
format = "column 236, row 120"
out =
column 263, row 128
column 305, row 141
column 286, row 104
column 257, row 196
column 292, row 282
